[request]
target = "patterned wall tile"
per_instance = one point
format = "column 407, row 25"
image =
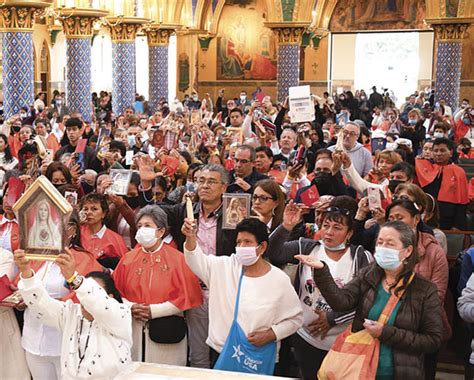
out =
column 18, row 71
column 123, row 76
column 288, row 74
column 78, row 77
column 448, row 72
column 158, row 75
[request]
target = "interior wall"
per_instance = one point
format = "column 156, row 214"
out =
column 467, row 70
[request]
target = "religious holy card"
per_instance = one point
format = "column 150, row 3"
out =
column 42, row 213
column 236, row 207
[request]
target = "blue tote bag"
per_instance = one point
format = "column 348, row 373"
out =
column 239, row 355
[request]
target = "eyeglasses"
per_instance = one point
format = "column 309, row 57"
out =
column 340, row 210
column 210, row 182
column 243, row 162
column 260, row 198
column 352, row 134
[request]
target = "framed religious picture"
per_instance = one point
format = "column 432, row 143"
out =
column 42, row 213
column 236, row 207
column 121, row 178
column 235, row 134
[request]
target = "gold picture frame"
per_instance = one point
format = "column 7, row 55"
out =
column 42, row 213
column 236, row 134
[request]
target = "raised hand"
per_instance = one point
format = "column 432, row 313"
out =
column 66, row 263
column 189, row 229
column 291, row 216
column 22, row 263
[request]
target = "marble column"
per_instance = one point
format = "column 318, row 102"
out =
column 158, row 40
column 78, row 29
column 123, row 33
column 16, row 25
column 448, row 61
column 288, row 63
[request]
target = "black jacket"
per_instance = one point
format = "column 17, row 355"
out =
column 418, row 326
column 251, row 179
column 225, row 239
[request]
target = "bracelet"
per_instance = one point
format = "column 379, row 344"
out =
column 71, row 279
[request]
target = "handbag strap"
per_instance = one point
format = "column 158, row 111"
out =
column 236, row 309
column 392, row 302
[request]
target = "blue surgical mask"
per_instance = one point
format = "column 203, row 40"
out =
column 131, row 140
column 466, row 120
column 412, row 121
column 387, row 258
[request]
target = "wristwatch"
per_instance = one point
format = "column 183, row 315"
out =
column 75, row 281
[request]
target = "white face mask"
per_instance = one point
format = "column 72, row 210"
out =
column 246, row 255
column 391, row 146
column 146, row 237
column 438, row 135
column 243, row 97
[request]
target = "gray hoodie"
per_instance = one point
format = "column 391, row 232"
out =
column 360, row 157
column 466, row 308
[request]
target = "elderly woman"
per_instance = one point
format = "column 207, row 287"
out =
column 414, row 328
column 156, row 280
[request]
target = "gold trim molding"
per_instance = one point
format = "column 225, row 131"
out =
column 450, row 32
column 158, row 37
column 123, row 32
column 79, row 23
column 17, row 19
column 288, row 33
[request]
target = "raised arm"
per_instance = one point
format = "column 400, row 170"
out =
column 50, row 311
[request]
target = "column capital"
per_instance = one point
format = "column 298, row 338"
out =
column 16, row 18
column 79, row 23
column 159, row 36
column 449, row 29
column 288, row 33
column 124, row 29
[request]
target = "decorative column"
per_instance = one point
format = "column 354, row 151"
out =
column 78, row 29
column 16, row 25
column 158, row 40
column 449, row 34
column 123, row 31
column 288, row 65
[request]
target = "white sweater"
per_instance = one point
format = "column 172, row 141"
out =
column 269, row 301
column 110, row 333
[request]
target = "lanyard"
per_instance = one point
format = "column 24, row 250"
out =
column 236, row 311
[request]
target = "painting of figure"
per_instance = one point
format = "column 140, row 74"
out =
column 354, row 15
column 246, row 49
column 44, row 229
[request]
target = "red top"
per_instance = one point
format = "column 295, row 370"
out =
column 153, row 278
column 108, row 244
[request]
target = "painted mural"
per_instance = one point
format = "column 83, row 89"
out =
column 246, row 49
column 353, row 15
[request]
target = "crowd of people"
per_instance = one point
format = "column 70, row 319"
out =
column 241, row 240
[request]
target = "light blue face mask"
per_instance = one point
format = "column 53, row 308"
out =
column 387, row 258
column 339, row 247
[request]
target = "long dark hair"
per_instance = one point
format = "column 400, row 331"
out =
column 109, row 284
column 273, row 188
column 7, row 151
column 76, row 240
column 407, row 238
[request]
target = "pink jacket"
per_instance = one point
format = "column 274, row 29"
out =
column 433, row 265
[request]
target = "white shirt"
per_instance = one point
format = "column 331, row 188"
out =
column 38, row 338
column 269, row 301
column 312, row 299
column 108, row 337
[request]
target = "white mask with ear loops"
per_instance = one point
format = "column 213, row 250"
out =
column 246, row 255
column 146, row 237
